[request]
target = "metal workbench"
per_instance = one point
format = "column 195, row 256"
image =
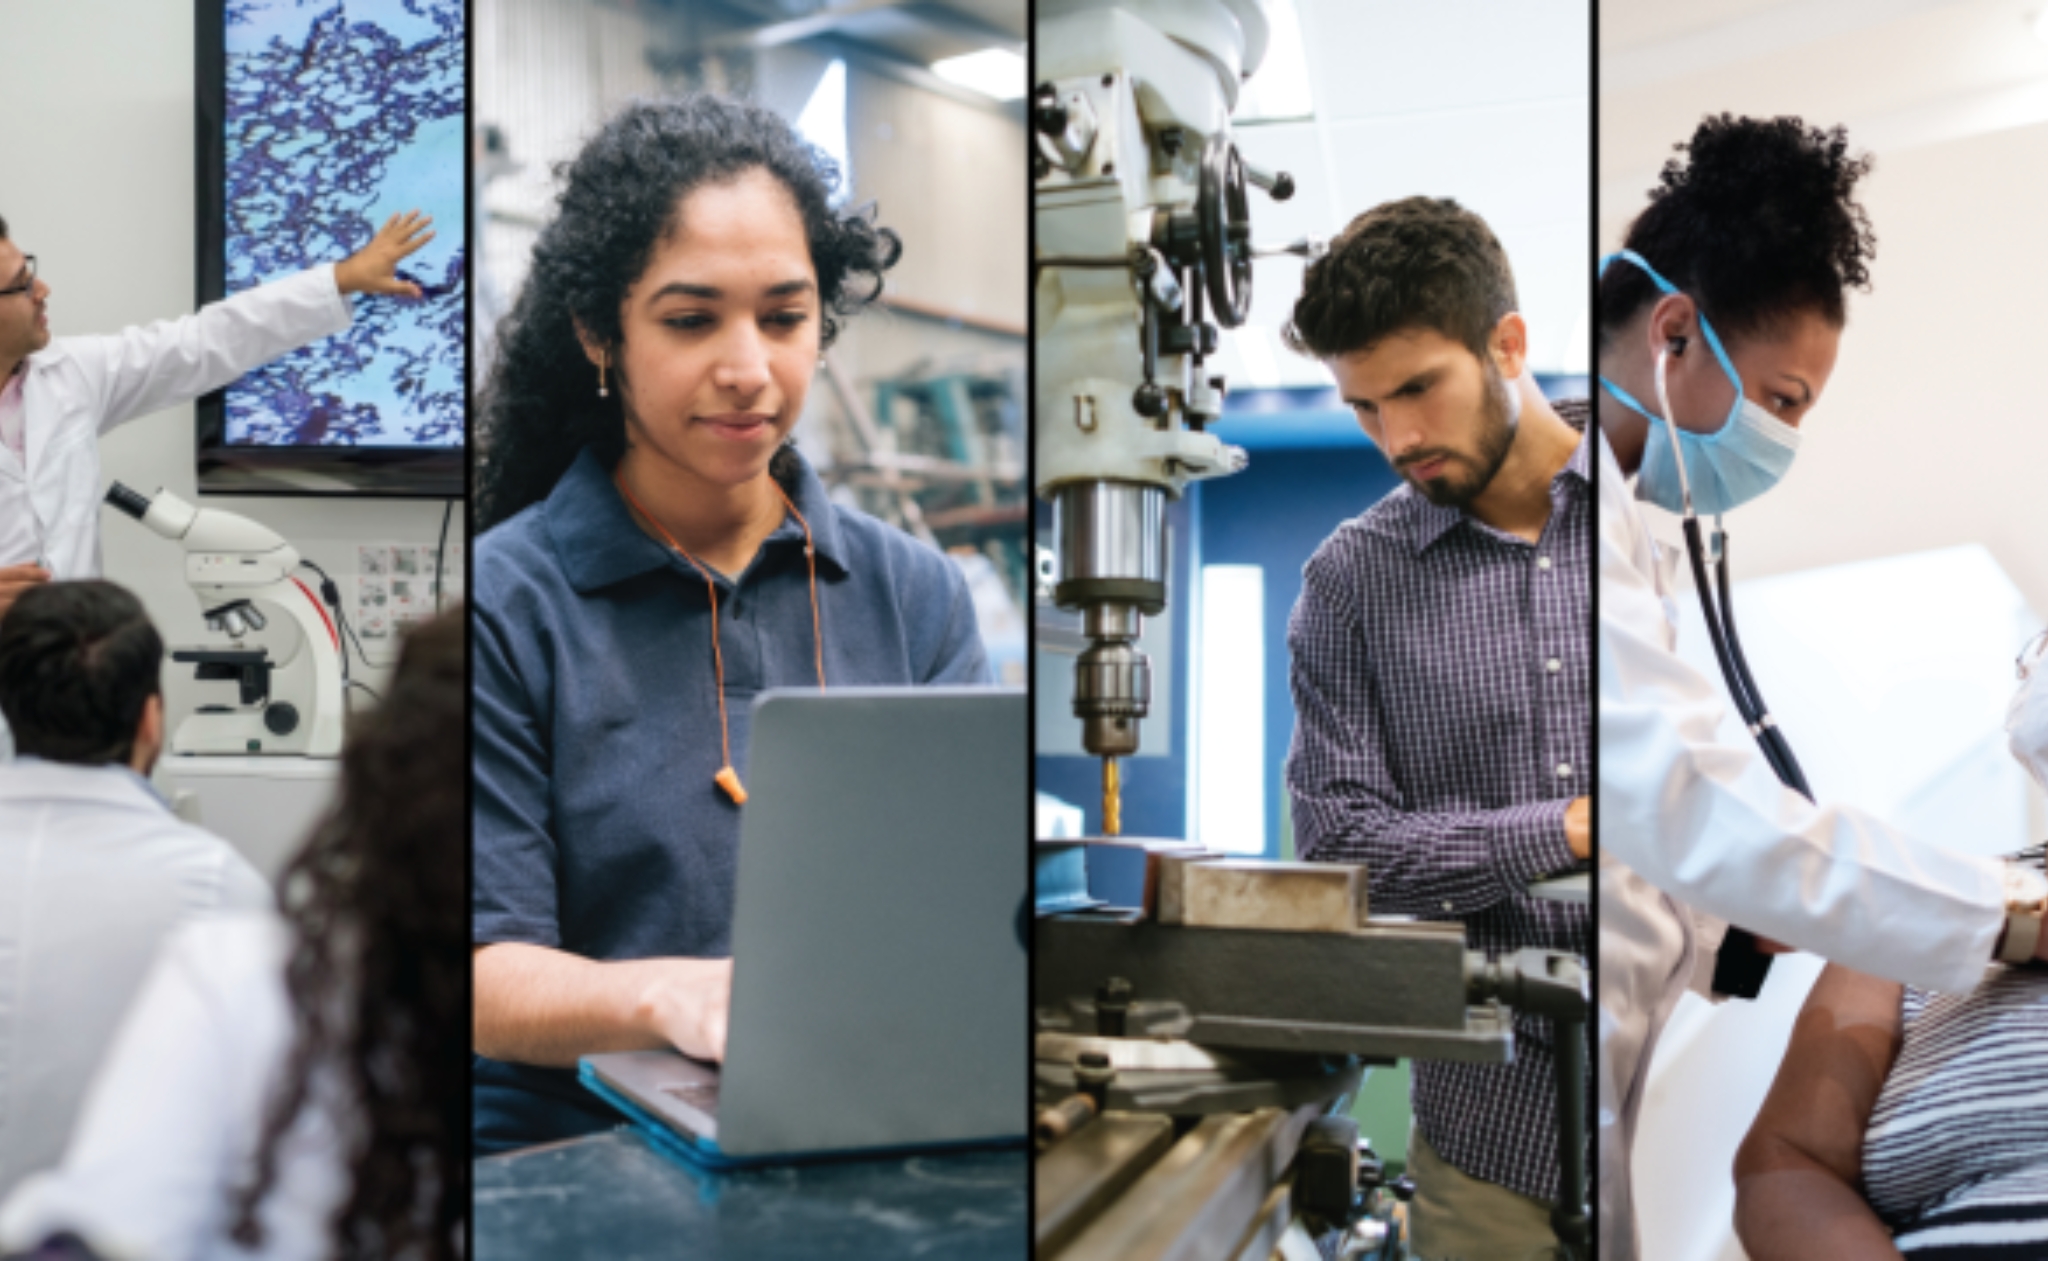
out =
column 614, row 1196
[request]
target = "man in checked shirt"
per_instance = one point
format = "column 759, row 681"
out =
column 1440, row 664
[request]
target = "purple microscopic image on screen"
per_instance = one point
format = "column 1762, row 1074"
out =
column 340, row 115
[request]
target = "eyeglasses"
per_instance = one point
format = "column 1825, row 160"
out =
column 27, row 283
column 2030, row 654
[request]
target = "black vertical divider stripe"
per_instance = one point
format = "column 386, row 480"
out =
column 467, row 542
column 210, row 160
column 1031, row 567
column 1593, row 537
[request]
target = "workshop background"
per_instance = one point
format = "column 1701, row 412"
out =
column 106, row 202
column 1886, row 586
column 918, row 417
column 1362, row 104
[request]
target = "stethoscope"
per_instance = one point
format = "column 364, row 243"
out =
column 1740, row 966
column 1720, row 617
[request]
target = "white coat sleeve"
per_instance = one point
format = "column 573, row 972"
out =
column 242, row 887
column 152, row 1163
column 146, row 369
column 1709, row 823
column 1708, row 933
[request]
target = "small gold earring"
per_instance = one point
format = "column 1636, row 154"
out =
column 603, row 358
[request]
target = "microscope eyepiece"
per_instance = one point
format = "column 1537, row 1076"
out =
column 127, row 500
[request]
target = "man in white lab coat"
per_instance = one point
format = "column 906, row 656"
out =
column 58, row 396
column 1721, row 318
column 95, row 870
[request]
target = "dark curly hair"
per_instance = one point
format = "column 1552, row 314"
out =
column 1421, row 262
column 1756, row 220
column 539, row 407
column 379, row 967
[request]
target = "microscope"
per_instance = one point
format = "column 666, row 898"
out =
column 1194, row 1056
column 288, row 689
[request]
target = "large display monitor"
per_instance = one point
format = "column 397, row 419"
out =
column 318, row 120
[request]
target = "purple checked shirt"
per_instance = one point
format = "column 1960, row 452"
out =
column 1443, row 721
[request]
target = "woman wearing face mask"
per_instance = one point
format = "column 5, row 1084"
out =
column 1719, row 321
column 653, row 556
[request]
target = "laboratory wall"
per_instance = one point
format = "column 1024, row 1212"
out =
column 99, row 186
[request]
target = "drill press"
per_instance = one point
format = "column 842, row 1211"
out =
column 1144, row 250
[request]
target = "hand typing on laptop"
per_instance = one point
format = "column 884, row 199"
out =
column 538, row 1005
column 687, row 1002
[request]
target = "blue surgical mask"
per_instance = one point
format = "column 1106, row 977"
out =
column 1718, row 471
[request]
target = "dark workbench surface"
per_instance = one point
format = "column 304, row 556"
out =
column 613, row 1196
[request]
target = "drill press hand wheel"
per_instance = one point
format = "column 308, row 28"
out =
column 1226, row 229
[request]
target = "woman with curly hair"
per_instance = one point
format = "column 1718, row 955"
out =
column 1718, row 323
column 294, row 1086
column 653, row 555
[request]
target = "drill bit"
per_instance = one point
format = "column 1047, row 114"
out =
column 1112, row 799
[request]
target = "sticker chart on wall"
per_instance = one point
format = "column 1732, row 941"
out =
column 397, row 587
column 319, row 121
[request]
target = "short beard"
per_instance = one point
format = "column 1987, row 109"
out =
column 28, row 346
column 1496, row 439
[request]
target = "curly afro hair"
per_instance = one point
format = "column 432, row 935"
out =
column 1757, row 221
column 621, row 197
column 1421, row 262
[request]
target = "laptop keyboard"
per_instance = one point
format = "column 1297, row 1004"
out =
column 701, row 1095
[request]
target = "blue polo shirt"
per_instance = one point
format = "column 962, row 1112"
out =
column 599, row 830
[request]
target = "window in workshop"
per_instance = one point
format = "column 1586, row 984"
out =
column 823, row 123
column 1230, row 710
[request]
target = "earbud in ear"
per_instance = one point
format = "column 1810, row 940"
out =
column 1677, row 345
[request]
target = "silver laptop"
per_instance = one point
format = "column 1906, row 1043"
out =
column 879, row 994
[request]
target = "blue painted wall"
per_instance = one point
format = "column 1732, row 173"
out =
column 1274, row 515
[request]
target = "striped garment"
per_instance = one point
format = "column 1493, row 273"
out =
column 1956, row 1157
column 1442, row 680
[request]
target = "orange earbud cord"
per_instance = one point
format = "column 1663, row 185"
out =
column 727, row 778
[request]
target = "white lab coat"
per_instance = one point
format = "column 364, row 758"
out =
column 170, row 1130
column 94, row 872
column 1687, row 821
column 80, row 387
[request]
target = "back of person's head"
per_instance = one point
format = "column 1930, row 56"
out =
column 60, row 1247
column 1757, row 221
column 1421, row 263
column 379, row 968
column 78, row 664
